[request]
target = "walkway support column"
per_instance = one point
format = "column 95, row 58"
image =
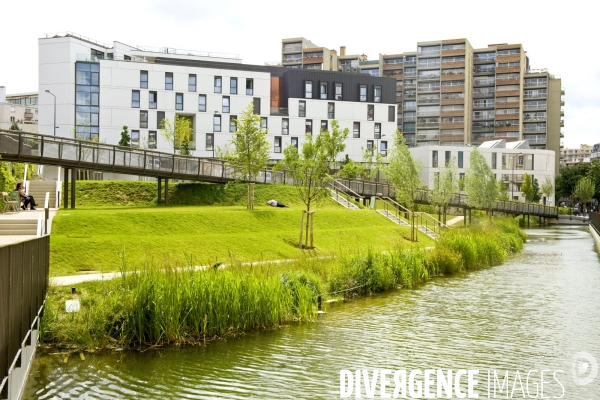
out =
column 66, row 188
column 73, row 180
column 166, row 190
column 465, row 216
column 159, row 190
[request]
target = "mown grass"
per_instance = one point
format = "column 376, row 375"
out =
column 159, row 304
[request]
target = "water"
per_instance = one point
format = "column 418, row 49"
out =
column 533, row 313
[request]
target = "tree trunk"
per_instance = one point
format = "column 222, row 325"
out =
column 250, row 196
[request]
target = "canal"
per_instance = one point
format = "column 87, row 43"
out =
column 539, row 311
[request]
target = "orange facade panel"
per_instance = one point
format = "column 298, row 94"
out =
column 450, row 53
column 515, row 81
column 451, row 138
column 452, row 77
column 506, row 93
column 458, row 64
column 312, row 60
column 452, row 89
column 452, row 125
column 508, row 58
column 460, row 100
column 504, row 117
column 453, row 113
column 454, row 41
column 275, row 91
column 504, row 70
column 508, row 104
column 504, row 128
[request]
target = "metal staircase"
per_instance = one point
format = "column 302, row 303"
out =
column 335, row 188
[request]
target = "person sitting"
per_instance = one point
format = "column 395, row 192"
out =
column 275, row 203
column 27, row 200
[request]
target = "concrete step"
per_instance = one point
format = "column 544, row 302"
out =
column 343, row 201
column 38, row 190
column 17, row 221
column 18, row 232
column 392, row 217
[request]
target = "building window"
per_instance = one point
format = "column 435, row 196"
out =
column 143, row 119
column 160, row 117
column 256, row 105
column 152, row 100
column 377, row 130
column 391, row 113
column 86, row 77
column 434, row 159
column 217, row 123
column 135, row 99
column 263, row 122
column 210, row 140
column 302, row 108
column 308, row 89
column 323, row 90
column 338, row 91
column 447, row 156
column 179, row 101
column 356, row 130
column 218, row 84
column 168, row 81
column 285, row 126
column 277, row 144
column 233, row 85
column 363, row 93
column 308, row 127
column 460, row 159
column 83, row 98
column 12, row 119
column 232, row 123
column 249, row 87
column 294, row 142
column 494, row 160
column 324, row 125
column 192, row 83
column 202, row 102
column 225, row 104
column 370, row 112
column 383, row 149
column 330, row 110
column 144, row 79
column 370, row 145
column 135, row 139
column 152, row 140
column 377, row 94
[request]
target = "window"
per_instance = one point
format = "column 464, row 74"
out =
column 308, row 89
column 370, row 112
column 356, row 130
column 494, row 160
column 192, row 83
column 232, row 123
column 377, row 94
column 370, row 145
column 338, row 91
column 168, row 81
column 302, row 108
column 324, row 126
column 135, row 138
column 294, row 142
column 152, row 140
column 249, row 87
column 256, row 105
column 323, row 90
column 153, row 100
column 160, row 117
column 308, row 127
column 447, row 156
column 144, row 79
column 179, row 101
column 143, row 119
column 225, row 104
column 85, row 98
column 263, row 122
column 434, row 159
column 363, row 93
column 391, row 112
column 87, row 77
column 210, row 140
column 285, row 124
column 202, row 102
column 331, row 110
column 12, row 119
column 218, row 84
column 217, row 123
column 277, row 144
column 460, row 159
column 377, row 130
column 135, row 99
column 383, row 148
column 233, row 85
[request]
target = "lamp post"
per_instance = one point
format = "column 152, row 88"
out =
column 54, row 123
column 512, row 187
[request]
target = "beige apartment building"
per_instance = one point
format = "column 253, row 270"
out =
column 575, row 156
column 449, row 93
column 21, row 109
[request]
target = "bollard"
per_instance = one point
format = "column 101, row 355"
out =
column 319, row 302
column 73, row 290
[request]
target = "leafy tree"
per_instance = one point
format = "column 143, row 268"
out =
column 537, row 195
column 584, row 190
column 547, row 188
column 14, row 126
column 370, row 162
column 334, row 141
column 125, row 137
column 248, row 151
column 567, row 179
column 594, row 174
column 403, row 172
column 527, row 188
column 177, row 133
column 351, row 170
column 445, row 186
column 480, row 183
column 502, row 190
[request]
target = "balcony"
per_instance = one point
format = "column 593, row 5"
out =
column 507, row 104
column 483, row 127
column 535, row 139
column 484, row 82
column 292, row 60
column 279, row 111
column 428, row 124
column 534, row 106
column 428, row 136
column 291, row 47
column 410, row 85
column 452, row 77
column 452, row 98
column 485, row 93
column 410, row 96
column 427, row 113
column 429, row 64
column 410, row 73
column 534, row 117
column 535, row 82
column 430, row 88
column 484, row 59
column 478, row 117
column 508, row 58
column 500, row 80
column 452, row 113
column 429, row 52
column 482, row 137
column 312, row 60
column 481, row 106
column 506, row 93
column 452, row 125
column 562, row 103
column 410, row 62
column 477, row 70
column 28, row 116
column 562, row 91
column 506, row 70
column 506, row 127
column 534, row 128
column 453, row 52
column 534, row 95
column 562, row 124
column 428, row 100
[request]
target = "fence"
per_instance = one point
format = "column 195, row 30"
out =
column 595, row 221
column 23, row 284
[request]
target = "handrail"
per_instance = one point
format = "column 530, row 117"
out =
column 346, row 189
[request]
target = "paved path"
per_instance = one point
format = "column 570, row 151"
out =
column 455, row 220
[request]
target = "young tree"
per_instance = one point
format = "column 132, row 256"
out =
column 594, row 174
column 445, row 186
column 177, row 133
column 547, row 189
column 527, row 188
column 14, row 126
column 334, row 141
column 403, row 172
column 370, row 162
column 535, row 187
column 480, row 183
column 248, row 151
column 125, row 137
column 584, row 190
column 351, row 170
column 502, row 190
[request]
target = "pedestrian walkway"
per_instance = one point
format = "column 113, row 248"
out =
column 24, row 216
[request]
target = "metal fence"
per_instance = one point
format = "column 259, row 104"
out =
column 23, row 284
column 595, row 221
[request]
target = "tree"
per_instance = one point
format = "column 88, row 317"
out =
column 248, row 151
column 527, row 188
column 547, row 189
column 177, row 133
column 351, row 170
column 502, row 190
column 445, row 186
column 369, row 160
column 125, row 138
column 14, row 126
column 584, row 190
column 594, row 174
column 403, row 172
column 334, row 141
column 568, row 177
column 537, row 196
column 309, row 169
column 480, row 183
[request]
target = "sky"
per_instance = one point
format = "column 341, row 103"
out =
column 559, row 36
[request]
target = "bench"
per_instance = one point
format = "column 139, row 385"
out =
column 12, row 201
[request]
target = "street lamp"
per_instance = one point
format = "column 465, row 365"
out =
column 512, row 187
column 54, row 124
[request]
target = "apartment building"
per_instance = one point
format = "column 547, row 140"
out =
column 595, row 152
column 100, row 88
column 304, row 54
column 449, row 93
column 508, row 160
column 20, row 109
column 575, row 156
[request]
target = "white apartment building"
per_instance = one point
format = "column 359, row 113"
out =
column 100, row 88
column 570, row 157
column 508, row 160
